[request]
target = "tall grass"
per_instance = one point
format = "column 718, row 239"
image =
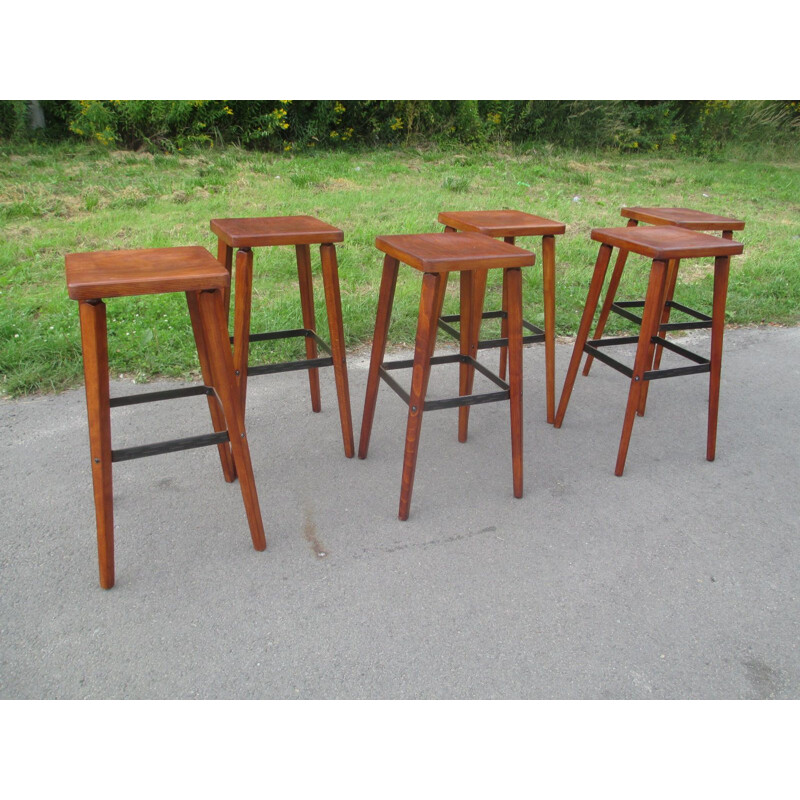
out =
column 56, row 199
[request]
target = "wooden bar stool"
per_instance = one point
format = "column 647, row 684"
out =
column 662, row 244
column 302, row 231
column 508, row 224
column 94, row 277
column 683, row 218
column 436, row 255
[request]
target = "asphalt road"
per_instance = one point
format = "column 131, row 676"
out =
column 680, row 579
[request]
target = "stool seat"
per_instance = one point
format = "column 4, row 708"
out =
column 446, row 252
column 271, row 231
column 123, row 273
column 666, row 242
column 501, row 223
column 683, row 218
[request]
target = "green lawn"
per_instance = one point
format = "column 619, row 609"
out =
column 61, row 199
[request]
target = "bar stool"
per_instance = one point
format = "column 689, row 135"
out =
column 662, row 244
column 436, row 255
column 684, row 218
column 508, row 224
column 94, row 277
column 301, row 231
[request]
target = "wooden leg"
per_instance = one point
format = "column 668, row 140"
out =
column 721, row 272
column 225, row 257
column 94, row 342
column 611, row 293
column 472, row 294
column 212, row 320
column 382, row 320
column 656, row 350
column 513, row 280
column 430, row 309
column 241, row 319
column 672, row 279
column 651, row 316
column 214, row 407
column 549, row 298
column 501, row 369
column 333, row 301
column 303, row 252
column 596, row 286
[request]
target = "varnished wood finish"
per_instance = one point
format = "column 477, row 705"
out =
column 92, row 276
column 300, row 232
column 611, row 293
column 436, row 255
column 123, row 273
column 94, row 344
column 721, row 273
column 509, row 224
column 596, row 286
column 303, row 255
column 383, row 318
column 333, row 303
column 665, row 242
column 241, row 319
column 513, row 280
column 225, row 257
column 472, row 291
column 213, row 315
column 430, row 309
column 447, row 252
column 649, row 328
column 670, row 245
column 501, row 223
column 215, row 409
column 683, row 218
column 272, row 231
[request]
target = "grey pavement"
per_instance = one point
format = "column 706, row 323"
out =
column 678, row 580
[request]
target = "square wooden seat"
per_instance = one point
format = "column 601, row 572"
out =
column 436, row 255
column 662, row 245
column 94, row 277
column 246, row 233
column 509, row 224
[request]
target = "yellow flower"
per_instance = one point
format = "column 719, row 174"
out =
column 228, row 110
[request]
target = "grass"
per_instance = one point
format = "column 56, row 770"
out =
column 67, row 198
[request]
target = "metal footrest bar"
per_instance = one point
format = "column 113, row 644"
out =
column 152, row 397
column 172, row 446
column 536, row 335
column 450, row 402
column 289, row 366
column 594, row 348
column 703, row 320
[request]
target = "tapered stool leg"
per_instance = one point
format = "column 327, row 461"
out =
column 333, row 301
column 212, row 316
column 217, row 415
column 382, row 319
column 430, row 309
column 473, row 292
column 94, row 343
column 513, row 281
column 651, row 316
column 501, row 369
column 596, row 286
column 241, row 319
column 721, row 273
column 611, row 293
column 303, row 252
column 549, row 297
